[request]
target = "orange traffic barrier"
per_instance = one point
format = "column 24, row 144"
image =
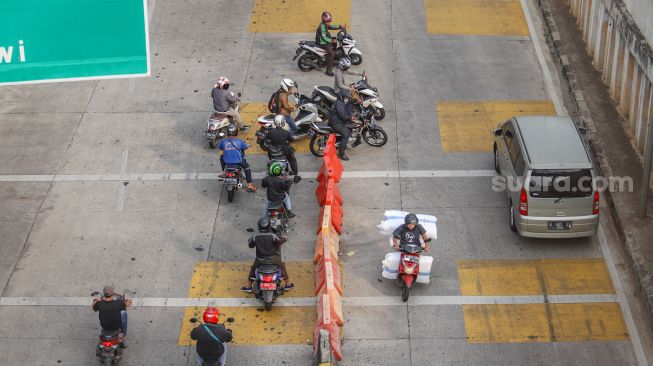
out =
column 325, row 322
column 327, row 242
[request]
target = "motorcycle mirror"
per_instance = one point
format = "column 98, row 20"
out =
column 239, row 94
column 193, row 320
column 95, row 293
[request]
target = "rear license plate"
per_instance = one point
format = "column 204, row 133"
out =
column 230, row 180
column 559, row 225
column 268, row 286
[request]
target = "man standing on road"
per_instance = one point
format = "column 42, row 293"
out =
column 324, row 39
column 211, row 338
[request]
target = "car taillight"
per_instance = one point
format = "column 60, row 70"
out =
column 267, row 278
column 523, row 202
column 595, row 206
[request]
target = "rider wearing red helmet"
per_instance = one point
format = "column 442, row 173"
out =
column 324, row 39
column 211, row 338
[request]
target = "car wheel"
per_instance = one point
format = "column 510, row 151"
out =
column 497, row 168
column 513, row 225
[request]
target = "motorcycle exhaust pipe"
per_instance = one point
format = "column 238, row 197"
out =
column 239, row 185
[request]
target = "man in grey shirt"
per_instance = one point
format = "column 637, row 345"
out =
column 222, row 100
column 339, row 78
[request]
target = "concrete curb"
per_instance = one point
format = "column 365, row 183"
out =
column 584, row 119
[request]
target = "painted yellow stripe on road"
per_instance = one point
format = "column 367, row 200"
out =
column 523, row 323
column 255, row 326
column 296, row 16
column 250, row 113
column 224, row 279
column 579, row 276
column 475, row 17
column 467, row 126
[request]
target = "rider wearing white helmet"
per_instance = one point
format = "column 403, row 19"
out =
column 223, row 101
column 279, row 137
column 286, row 88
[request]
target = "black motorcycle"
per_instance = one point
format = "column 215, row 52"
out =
column 233, row 180
column 109, row 348
column 279, row 220
column 362, row 126
column 267, row 284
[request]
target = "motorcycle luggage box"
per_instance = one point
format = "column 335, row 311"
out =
column 268, row 268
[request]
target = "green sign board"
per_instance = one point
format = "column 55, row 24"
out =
column 59, row 40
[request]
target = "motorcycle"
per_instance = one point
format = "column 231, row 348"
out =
column 267, row 284
column 110, row 343
column 233, row 180
column 325, row 96
column 363, row 125
column 308, row 112
column 278, row 217
column 312, row 56
column 217, row 124
column 408, row 268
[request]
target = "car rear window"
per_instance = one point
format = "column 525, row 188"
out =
column 560, row 183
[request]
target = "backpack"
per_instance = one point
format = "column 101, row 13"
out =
column 273, row 103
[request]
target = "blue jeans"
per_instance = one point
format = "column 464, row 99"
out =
column 293, row 126
column 286, row 201
column 123, row 318
column 221, row 360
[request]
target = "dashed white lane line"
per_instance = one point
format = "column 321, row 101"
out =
column 122, row 187
column 258, row 175
column 310, row 301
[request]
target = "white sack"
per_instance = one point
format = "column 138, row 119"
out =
column 391, row 265
column 425, row 263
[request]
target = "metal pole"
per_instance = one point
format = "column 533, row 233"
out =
column 648, row 158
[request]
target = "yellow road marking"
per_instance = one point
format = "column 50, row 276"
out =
column 475, row 17
column 467, row 126
column 544, row 323
column 296, row 16
column 224, row 279
column 250, row 112
column 255, row 326
column 534, row 277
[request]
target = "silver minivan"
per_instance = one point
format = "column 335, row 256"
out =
column 548, row 176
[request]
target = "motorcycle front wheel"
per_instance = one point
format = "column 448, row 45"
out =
column 355, row 59
column 213, row 143
column 263, row 145
column 375, row 136
column 318, row 143
column 304, row 62
column 379, row 113
column 405, row 292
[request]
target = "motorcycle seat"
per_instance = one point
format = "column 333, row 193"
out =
column 218, row 115
column 267, row 268
column 311, row 44
column 324, row 127
column 267, row 118
column 107, row 334
column 232, row 167
column 327, row 89
column 275, row 205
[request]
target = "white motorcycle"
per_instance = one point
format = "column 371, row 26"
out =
column 307, row 114
column 369, row 95
column 312, row 56
column 217, row 124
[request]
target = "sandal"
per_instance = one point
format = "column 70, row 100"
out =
column 251, row 189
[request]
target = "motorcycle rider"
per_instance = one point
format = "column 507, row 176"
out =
column 277, row 189
column 409, row 233
column 233, row 153
column 112, row 311
column 339, row 80
column 324, row 39
column 281, row 138
column 222, row 100
column 268, row 251
column 339, row 115
column 287, row 88
column 211, row 338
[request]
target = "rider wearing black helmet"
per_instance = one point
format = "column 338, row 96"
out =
column 410, row 232
column 233, row 153
column 341, row 112
column 268, row 251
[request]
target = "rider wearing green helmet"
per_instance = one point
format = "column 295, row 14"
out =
column 278, row 187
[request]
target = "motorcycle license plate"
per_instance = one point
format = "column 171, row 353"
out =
column 211, row 135
column 260, row 134
column 230, row 180
column 268, row 286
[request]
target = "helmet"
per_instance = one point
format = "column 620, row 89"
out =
column 326, row 17
column 223, row 83
column 286, row 84
column 344, row 63
column 280, row 120
column 275, row 168
column 344, row 93
column 411, row 219
column 232, row 130
column 211, row 315
column 263, row 225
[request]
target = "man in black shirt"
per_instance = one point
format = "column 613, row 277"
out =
column 211, row 338
column 112, row 310
column 268, row 251
column 277, row 189
column 410, row 232
column 281, row 138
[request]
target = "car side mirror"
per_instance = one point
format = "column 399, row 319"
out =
column 498, row 132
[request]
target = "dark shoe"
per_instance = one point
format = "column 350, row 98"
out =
column 123, row 345
column 288, row 286
column 329, row 72
column 290, row 214
column 297, row 179
column 244, row 129
column 343, row 157
column 246, row 289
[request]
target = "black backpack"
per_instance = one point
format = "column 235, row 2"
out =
column 273, row 103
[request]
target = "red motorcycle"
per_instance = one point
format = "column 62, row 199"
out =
column 408, row 268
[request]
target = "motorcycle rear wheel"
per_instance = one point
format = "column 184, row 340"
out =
column 405, row 293
column 267, row 306
column 375, row 137
column 303, row 62
column 317, row 144
column 230, row 194
column 107, row 362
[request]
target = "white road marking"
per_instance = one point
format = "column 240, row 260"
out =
column 622, row 299
column 548, row 80
column 121, row 187
column 259, row 175
column 311, row 301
